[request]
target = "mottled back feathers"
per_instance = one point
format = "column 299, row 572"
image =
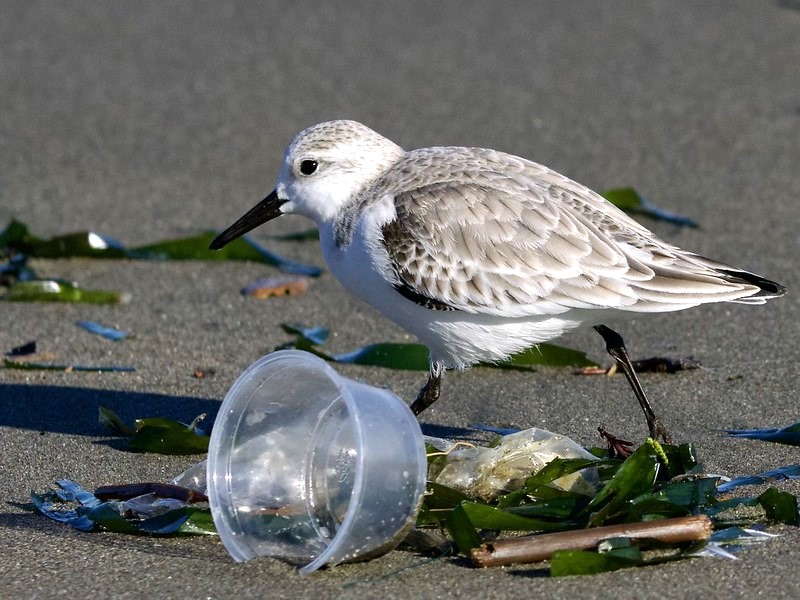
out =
column 485, row 232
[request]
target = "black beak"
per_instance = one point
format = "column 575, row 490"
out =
column 266, row 210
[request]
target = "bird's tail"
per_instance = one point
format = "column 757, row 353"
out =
column 766, row 289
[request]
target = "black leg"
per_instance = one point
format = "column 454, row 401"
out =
column 616, row 348
column 430, row 391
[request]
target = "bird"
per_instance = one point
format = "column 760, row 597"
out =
column 482, row 254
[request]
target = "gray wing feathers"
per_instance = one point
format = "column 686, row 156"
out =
column 522, row 240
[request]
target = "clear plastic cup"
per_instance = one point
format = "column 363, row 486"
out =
column 312, row 467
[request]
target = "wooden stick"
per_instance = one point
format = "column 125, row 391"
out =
column 535, row 548
column 126, row 491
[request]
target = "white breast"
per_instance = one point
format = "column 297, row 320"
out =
column 456, row 339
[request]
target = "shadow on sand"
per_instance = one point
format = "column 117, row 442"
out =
column 74, row 410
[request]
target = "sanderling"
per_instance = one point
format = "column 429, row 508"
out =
column 482, row 254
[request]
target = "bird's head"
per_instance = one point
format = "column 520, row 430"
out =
column 324, row 167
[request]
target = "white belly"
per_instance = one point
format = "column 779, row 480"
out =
column 456, row 339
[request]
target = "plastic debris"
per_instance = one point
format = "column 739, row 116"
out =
column 485, row 473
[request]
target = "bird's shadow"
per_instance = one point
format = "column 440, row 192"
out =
column 75, row 410
column 457, row 434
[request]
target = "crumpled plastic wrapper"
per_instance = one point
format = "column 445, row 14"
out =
column 485, row 473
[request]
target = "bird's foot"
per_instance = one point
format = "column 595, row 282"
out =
column 657, row 430
column 429, row 393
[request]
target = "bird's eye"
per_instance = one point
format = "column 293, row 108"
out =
column 308, row 167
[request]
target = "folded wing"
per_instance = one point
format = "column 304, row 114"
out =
column 492, row 233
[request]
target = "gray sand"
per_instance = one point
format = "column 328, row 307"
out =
column 153, row 120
